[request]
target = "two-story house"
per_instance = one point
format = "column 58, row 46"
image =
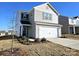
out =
column 40, row 22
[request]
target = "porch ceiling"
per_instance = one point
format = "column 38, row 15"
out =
column 26, row 24
column 72, row 26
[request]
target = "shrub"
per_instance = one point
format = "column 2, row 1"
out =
column 62, row 37
column 37, row 40
column 19, row 39
column 24, row 40
column 43, row 40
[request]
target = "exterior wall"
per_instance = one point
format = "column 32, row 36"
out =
column 32, row 28
column 18, row 24
column 74, row 21
column 71, row 21
column 38, row 12
column 37, row 31
column 77, row 22
column 59, row 32
column 64, row 21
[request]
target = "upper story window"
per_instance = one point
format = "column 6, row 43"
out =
column 24, row 16
column 72, row 21
column 47, row 16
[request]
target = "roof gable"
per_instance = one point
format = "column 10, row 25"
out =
column 52, row 8
column 49, row 5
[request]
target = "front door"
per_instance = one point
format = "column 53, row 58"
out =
column 71, row 30
column 25, row 31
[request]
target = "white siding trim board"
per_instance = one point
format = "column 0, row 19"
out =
column 48, row 24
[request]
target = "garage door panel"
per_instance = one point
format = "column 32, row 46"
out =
column 47, row 32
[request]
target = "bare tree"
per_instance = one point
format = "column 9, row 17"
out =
column 12, row 35
column 12, row 27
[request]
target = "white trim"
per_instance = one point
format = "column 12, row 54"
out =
column 48, row 24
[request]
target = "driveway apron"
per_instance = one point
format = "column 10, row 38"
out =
column 66, row 42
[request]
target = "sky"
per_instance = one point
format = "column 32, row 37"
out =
column 8, row 10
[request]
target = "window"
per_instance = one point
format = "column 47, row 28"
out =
column 47, row 16
column 21, row 15
column 72, row 21
column 24, row 15
column 50, row 16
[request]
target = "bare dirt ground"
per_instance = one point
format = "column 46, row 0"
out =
column 71, row 36
column 38, row 49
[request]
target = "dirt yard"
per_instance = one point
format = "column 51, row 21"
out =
column 71, row 36
column 39, row 49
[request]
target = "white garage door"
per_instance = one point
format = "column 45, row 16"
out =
column 47, row 32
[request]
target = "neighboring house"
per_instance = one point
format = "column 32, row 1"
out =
column 63, row 20
column 2, row 33
column 74, row 25
column 40, row 22
column 10, row 32
column 70, row 25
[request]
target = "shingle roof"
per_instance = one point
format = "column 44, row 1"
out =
column 76, row 17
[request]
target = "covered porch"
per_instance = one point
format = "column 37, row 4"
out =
column 26, row 26
column 26, row 29
column 73, row 29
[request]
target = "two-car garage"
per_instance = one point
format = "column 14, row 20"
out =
column 48, row 32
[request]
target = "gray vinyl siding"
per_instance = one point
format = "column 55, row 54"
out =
column 17, row 23
column 63, row 20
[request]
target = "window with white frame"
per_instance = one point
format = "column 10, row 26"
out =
column 72, row 21
column 47, row 16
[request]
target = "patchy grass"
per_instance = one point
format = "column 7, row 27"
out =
column 16, row 52
column 37, row 49
column 71, row 36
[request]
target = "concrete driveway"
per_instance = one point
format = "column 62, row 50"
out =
column 66, row 42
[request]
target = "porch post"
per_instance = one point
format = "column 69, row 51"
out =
column 68, row 30
column 27, row 31
column 20, row 31
column 74, row 29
